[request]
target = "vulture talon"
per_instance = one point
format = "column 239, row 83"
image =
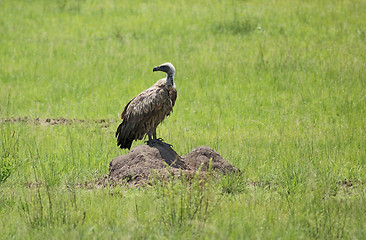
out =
column 148, row 109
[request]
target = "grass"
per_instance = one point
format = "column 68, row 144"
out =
column 276, row 87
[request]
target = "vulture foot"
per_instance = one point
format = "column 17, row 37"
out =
column 162, row 141
column 157, row 140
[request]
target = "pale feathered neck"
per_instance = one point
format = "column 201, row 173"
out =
column 170, row 79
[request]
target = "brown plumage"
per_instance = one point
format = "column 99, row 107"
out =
column 146, row 111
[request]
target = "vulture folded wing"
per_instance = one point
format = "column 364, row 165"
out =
column 123, row 114
column 146, row 103
column 143, row 114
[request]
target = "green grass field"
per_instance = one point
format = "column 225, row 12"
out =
column 278, row 88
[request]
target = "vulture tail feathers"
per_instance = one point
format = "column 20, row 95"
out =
column 124, row 139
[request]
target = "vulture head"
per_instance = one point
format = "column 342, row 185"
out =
column 168, row 68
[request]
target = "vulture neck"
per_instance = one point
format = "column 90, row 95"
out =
column 170, row 79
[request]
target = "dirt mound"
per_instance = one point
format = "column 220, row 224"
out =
column 144, row 161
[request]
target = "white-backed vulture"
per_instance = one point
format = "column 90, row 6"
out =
column 146, row 111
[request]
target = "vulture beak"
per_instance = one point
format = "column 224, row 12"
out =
column 156, row 68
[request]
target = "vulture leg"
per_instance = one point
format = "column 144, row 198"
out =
column 152, row 139
column 154, row 134
column 157, row 139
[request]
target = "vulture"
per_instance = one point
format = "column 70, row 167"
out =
column 146, row 111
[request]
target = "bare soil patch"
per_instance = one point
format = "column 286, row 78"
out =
column 57, row 121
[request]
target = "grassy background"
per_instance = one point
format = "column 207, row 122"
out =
column 276, row 87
